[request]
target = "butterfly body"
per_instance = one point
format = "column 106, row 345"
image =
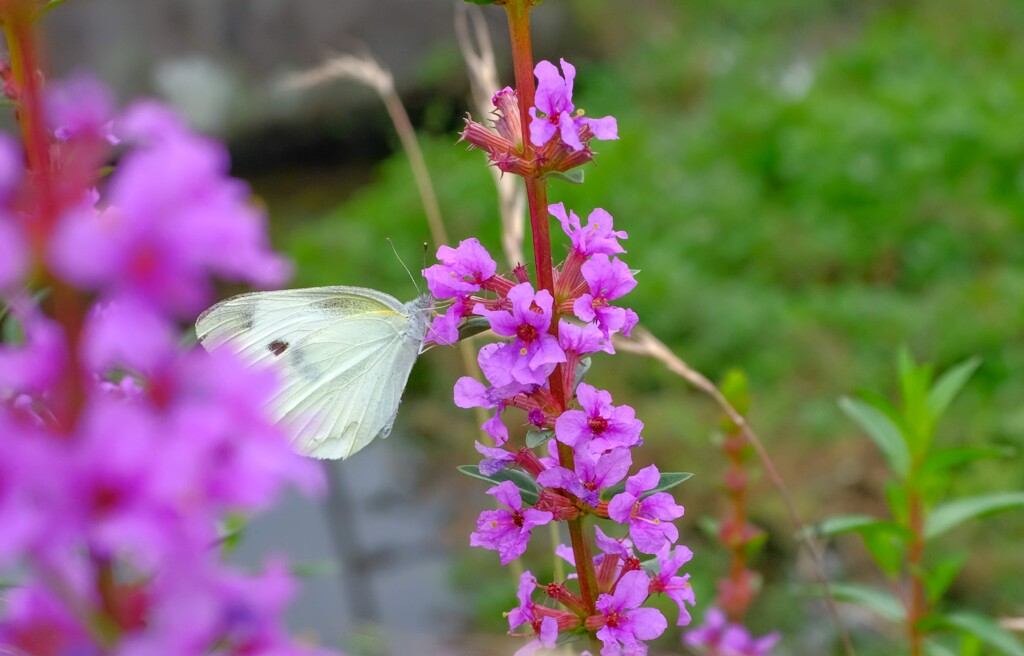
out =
column 343, row 354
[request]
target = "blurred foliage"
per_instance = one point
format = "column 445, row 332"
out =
column 807, row 185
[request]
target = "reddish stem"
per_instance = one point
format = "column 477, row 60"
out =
column 518, row 12
column 918, row 603
column 18, row 18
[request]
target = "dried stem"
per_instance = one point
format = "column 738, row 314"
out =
column 643, row 342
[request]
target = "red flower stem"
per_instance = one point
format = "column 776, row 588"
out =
column 18, row 18
column 518, row 12
column 918, row 601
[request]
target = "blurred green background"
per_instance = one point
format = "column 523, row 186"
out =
column 808, row 185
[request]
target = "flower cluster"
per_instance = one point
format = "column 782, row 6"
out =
column 718, row 637
column 546, row 339
column 560, row 135
column 121, row 453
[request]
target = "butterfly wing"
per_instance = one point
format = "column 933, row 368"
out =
column 343, row 353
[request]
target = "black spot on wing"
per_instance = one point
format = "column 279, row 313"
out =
column 277, row 347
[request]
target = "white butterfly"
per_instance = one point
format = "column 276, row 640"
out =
column 343, row 355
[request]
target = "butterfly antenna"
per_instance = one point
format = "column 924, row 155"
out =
column 400, row 261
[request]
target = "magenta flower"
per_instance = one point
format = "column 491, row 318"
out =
column 80, row 107
column 581, row 340
column 623, row 625
column 591, row 475
column 462, row 271
column 507, row 531
column 553, row 112
column 594, row 238
column 649, row 519
column 599, row 426
column 533, row 354
column 608, row 280
column 677, row 588
column 495, row 459
column 719, row 637
column 544, row 627
column 174, row 219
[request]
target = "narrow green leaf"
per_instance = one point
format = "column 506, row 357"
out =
column 527, row 488
column 320, row 569
column 840, row 525
column 49, row 6
column 536, row 438
column 941, row 576
column 949, row 385
column 933, row 648
column 667, row 481
column 941, row 460
column 882, row 603
column 985, row 629
column 232, row 532
column 882, row 430
column 887, row 544
column 949, row 515
column 575, row 176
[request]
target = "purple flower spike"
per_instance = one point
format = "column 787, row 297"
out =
column 677, row 588
column 532, row 356
column 650, row 519
column 623, row 623
column 462, row 270
column 608, row 280
column 553, row 112
column 594, row 238
column 599, row 426
column 507, row 531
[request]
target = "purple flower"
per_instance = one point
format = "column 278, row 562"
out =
column 34, row 366
column 721, row 638
column 544, row 626
column 677, row 588
column 533, row 354
column 553, row 112
column 581, row 340
column 80, row 107
column 444, row 330
column 649, row 519
column 623, row 624
column 507, row 531
column 594, row 238
column 495, row 459
column 174, row 219
column 608, row 280
column 599, row 426
column 129, row 334
column 591, row 475
column 462, row 271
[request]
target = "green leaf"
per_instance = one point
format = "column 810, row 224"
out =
column 736, row 390
column 575, row 176
column 667, row 481
column 985, row 629
column 527, row 488
column 941, row 576
column 232, row 532
column 949, row 515
column 949, row 385
column 887, row 543
column 882, row 430
column 882, row 603
column 473, row 326
column 49, row 6
column 319, row 569
column 840, row 525
column 933, row 648
column 536, row 438
column 941, row 460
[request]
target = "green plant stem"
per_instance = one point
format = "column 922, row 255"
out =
column 518, row 12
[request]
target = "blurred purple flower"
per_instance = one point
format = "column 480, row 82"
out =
column 677, row 588
column 718, row 637
column 594, row 238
